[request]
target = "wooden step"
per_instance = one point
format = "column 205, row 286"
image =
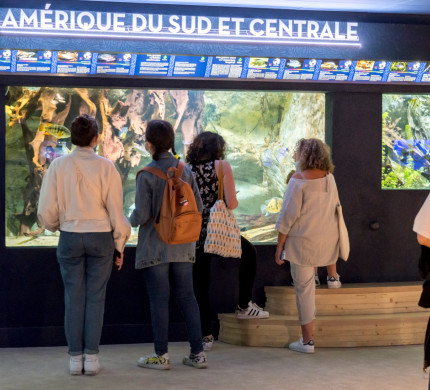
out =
column 356, row 315
column 351, row 299
column 329, row 331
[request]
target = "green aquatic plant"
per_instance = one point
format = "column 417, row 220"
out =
column 403, row 177
column 408, row 132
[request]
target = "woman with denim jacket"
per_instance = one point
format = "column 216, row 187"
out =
column 165, row 267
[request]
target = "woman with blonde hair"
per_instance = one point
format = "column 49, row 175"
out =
column 307, row 225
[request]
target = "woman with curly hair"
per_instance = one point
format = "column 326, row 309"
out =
column 308, row 234
column 205, row 154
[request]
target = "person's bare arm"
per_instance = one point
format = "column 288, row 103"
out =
column 423, row 240
column 229, row 187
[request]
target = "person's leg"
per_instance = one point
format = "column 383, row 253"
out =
column 331, row 270
column 247, row 269
column 201, row 281
column 99, row 248
column 71, row 257
column 304, row 286
column 182, row 287
column 158, row 288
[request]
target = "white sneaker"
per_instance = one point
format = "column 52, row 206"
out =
column 91, row 364
column 198, row 360
column 334, row 282
column 252, row 311
column 298, row 346
column 207, row 342
column 76, row 364
column 155, row 361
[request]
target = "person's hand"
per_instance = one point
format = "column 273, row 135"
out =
column 119, row 259
column 278, row 254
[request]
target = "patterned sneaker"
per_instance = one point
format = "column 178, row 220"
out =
column 317, row 280
column 76, row 365
column 252, row 311
column 334, row 282
column 197, row 361
column 298, row 346
column 155, row 361
column 207, row 343
column 91, row 364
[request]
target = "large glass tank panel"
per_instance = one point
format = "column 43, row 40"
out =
column 260, row 129
column 406, row 142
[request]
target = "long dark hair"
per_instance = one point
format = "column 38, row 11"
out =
column 162, row 137
column 207, row 146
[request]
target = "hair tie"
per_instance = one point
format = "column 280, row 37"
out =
column 177, row 156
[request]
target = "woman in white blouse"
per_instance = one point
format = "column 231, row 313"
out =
column 308, row 229
column 81, row 196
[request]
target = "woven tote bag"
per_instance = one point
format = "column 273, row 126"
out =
column 223, row 234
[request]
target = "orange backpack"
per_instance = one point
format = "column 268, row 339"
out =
column 179, row 221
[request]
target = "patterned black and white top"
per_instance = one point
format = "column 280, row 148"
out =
column 207, row 182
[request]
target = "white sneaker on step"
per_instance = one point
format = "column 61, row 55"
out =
column 252, row 311
column 91, row 364
column 334, row 281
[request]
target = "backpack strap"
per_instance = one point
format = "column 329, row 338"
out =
column 154, row 171
column 220, row 174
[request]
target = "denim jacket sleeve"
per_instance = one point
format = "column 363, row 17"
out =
column 142, row 212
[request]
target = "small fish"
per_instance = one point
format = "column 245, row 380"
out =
column 123, row 132
column 56, row 130
column 271, row 206
column 282, row 153
column 138, row 148
column 266, row 158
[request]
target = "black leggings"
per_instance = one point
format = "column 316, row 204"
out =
column 202, row 277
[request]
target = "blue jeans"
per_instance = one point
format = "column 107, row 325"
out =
column 86, row 261
column 159, row 280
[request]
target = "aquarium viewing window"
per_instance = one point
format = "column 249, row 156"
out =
column 47, row 62
column 260, row 129
column 406, row 142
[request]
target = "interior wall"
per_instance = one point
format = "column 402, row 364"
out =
column 31, row 291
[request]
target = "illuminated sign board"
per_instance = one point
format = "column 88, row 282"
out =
column 47, row 22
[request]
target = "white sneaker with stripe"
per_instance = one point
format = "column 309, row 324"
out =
column 252, row 311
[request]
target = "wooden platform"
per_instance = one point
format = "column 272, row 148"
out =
column 356, row 315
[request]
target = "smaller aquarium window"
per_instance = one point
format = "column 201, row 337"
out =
column 406, row 142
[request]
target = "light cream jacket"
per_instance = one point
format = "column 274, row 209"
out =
column 82, row 193
column 309, row 219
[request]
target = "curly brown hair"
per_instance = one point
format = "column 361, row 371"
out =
column 312, row 153
column 206, row 146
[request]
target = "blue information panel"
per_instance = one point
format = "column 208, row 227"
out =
column 225, row 67
column 336, row 70
column 263, row 68
column 73, row 62
column 5, row 60
column 115, row 63
column 300, row 68
column 424, row 73
column 405, row 71
column 371, row 70
column 33, row 61
column 152, row 64
column 188, row 66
